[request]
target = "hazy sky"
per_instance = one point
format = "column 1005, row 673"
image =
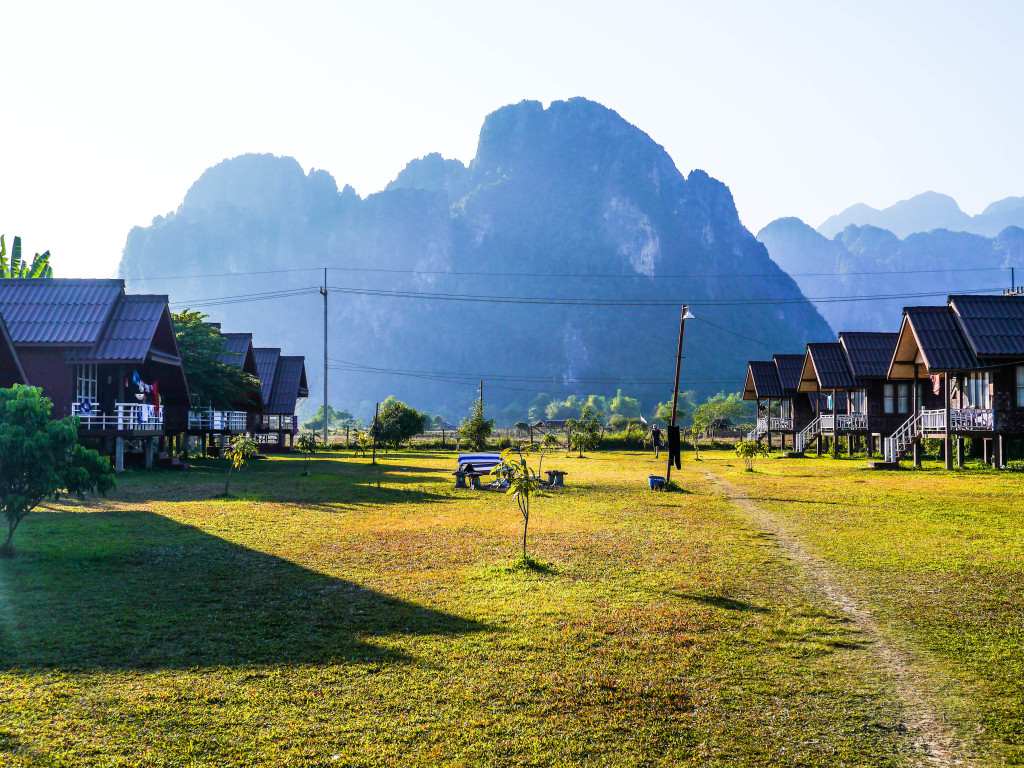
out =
column 112, row 110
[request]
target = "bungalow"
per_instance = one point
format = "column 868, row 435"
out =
column 965, row 361
column 282, row 382
column 848, row 379
column 777, row 379
column 110, row 358
column 216, row 426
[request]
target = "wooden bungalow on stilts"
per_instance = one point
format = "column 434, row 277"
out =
column 282, row 383
column 107, row 357
column 777, row 380
column 965, row 361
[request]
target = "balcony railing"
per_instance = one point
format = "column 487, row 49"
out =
column 961, row 420
column 127, row 417
column 217, row 421
column 852, row 422
column 781, row 424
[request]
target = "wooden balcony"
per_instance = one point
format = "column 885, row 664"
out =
column 961, row 420
column 136, row 418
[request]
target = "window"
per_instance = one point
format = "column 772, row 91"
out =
column 977, row 390
column 786, row 406
column 887, row 398
column 903, row 398
column 85, row 384
column 857, row 402
column 922, row 388
column 1020, row 386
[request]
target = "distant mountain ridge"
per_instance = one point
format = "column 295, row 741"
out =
column 926, row 212
column 568, row 189
column 870, row 261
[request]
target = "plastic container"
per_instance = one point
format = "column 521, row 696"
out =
column 656, row 482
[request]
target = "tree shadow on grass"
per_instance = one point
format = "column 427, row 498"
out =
column 719, row 601
column 135, row 590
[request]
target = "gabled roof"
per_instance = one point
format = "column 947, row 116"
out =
column 238, row 351
column 826, row 367
column 289, row 385
column 762, row 380
column 266, row 365
column 128, row 335
column 931, row 337
column 992, row 325
column 11, row 371
column 869, row 353
column 789, row 372
column 57, row 310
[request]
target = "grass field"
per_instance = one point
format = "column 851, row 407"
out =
column 375, row 616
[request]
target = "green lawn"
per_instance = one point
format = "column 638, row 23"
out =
column 374, row 616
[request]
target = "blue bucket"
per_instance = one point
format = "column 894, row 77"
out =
column 656, row 482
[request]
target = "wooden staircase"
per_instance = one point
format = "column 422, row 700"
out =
column 166, row 461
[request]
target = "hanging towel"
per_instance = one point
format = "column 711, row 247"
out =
column 674, row 448
column 937, row 384
column 156, row 397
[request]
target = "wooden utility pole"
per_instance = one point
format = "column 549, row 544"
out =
column 326, row 418
column 683, row 317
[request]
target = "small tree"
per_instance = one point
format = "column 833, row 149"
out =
column 522, row 427
column 750, row 451
column 240, row 450
column 309, row 445
column 703, row 417
column 364, row 440
column 398, row 422
column 40, row 457
column 585, row 432
column 549, row 442
column 522, row 484
column 475, row 429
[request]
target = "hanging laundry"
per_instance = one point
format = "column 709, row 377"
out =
column 937, row 384
column 156, row 397
column 674, row 447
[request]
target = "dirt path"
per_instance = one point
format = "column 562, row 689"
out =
column 933, row 738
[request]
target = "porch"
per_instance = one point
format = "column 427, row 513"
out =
column 209, row 420
column 126, row 418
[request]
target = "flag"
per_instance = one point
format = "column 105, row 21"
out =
column 937, row 384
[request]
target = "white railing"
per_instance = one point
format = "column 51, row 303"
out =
column 127, row 417
column 895, row 446
column 217, row 421
column 808, row 433
column 781, row 424
column 852, row 422
column 934, row 421
column 826, row 422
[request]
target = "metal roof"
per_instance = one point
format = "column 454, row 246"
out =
column 57, row 310
column 266, row 365
column 993, row 325
column 762, row 380
column 831, row 367
column 789, row 372
column 289, row 385
column 236, row 346
column 869, row 353
column 129, row 333
column 940, row 339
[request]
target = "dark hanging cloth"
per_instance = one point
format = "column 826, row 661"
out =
column 674, row 448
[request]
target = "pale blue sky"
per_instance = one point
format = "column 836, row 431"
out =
column 111, row 110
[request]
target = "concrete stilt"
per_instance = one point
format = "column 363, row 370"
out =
column 148, row 445
column 917, row 455
column 119, row 454
column 960, row 452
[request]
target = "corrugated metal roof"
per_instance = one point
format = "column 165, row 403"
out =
column 765, row 378
column 869, row 353
column 57, row 310
column 129, row 333
column 941, row 340
column 266, row 366
column 994, row 325
column 831, row 366
column 236, row 346
column 289, row 385
column 789, row 372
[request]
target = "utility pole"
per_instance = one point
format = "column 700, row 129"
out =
column 375, row 430
column 326, row 419
column 683, row 317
